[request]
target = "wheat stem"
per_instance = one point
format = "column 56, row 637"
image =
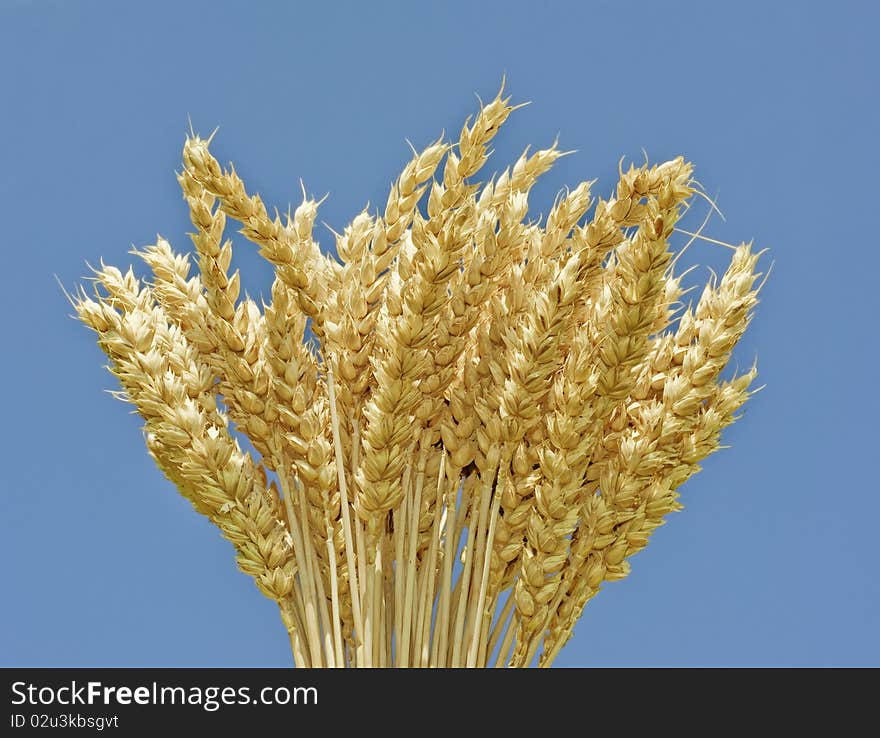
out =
column 346, row 519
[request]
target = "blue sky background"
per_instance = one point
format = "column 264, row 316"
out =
column 774, row 560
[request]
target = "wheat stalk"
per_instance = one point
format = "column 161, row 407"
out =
column 494, row 418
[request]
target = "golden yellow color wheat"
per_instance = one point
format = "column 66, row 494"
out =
column 492, row 419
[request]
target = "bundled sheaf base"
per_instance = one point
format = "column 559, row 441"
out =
column 493, row 415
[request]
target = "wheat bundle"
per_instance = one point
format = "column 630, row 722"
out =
column 491, row 418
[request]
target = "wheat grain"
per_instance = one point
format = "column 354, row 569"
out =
column 496, row 415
